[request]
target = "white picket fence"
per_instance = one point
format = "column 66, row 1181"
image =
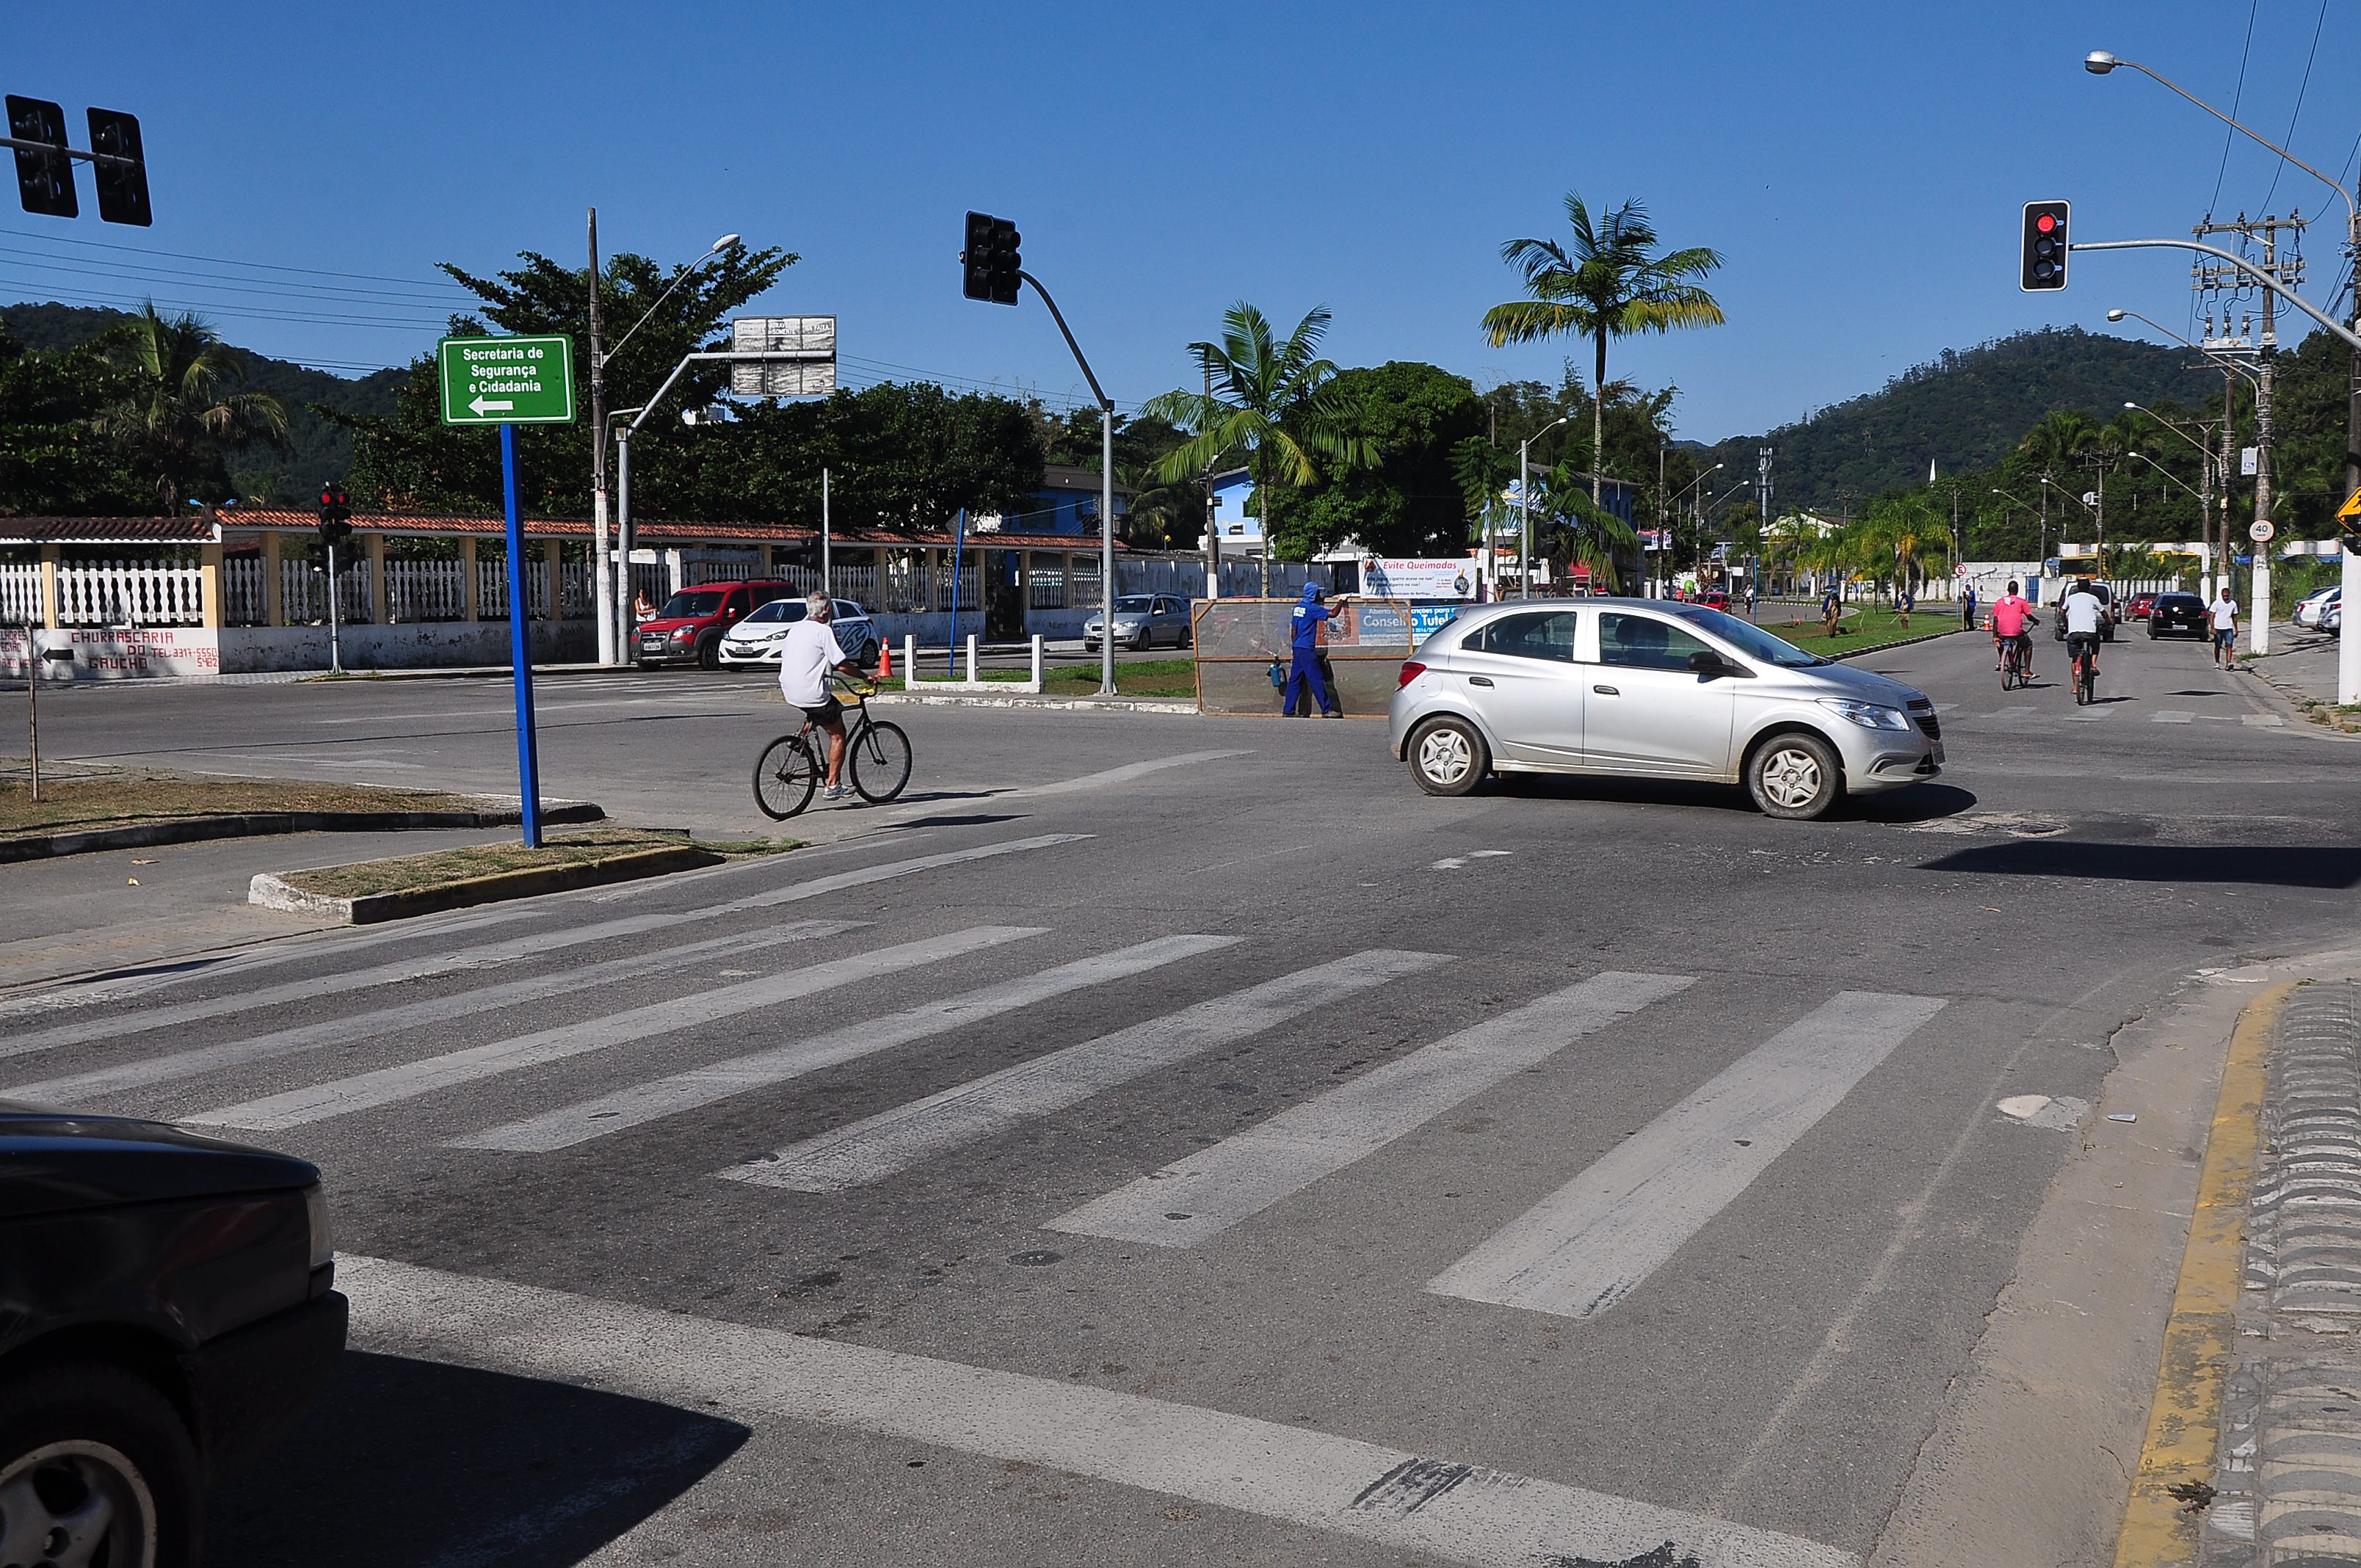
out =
column 20, row 594
column 304, row 592
column 492, row 588
column 425, row 590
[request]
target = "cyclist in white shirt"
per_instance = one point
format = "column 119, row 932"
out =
column 806, row 653
column 2224, row 612
column 2085, row 613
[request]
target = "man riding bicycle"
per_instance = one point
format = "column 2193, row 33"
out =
column 806, row 653
column 2085, row 614
column 2011, row 614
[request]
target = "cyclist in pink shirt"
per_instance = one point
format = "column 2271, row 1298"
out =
column 2011, row 614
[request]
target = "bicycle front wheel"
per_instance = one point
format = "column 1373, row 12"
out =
column 881, row 762
column 785, row 778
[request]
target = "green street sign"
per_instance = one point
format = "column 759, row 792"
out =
column 506, row 380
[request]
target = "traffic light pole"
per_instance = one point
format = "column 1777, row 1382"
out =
column 1106, row 495
column 336, row 652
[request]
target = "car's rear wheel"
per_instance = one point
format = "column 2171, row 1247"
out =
column 1796, row 776
column 95, row 1468
column 1447, row 756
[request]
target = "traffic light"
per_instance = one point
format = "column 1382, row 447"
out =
column 44, row 177
column 335, row 515
column 990, row 263
column 122, row 185
column 2045, row 245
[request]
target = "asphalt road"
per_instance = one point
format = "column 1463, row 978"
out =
column 1174, row 1141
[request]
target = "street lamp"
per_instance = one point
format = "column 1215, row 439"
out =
column 1525, row 506
column 2210, row 465
column 2226, row 363
column 614, row 597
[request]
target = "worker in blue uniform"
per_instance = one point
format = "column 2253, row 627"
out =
column 1304, row 677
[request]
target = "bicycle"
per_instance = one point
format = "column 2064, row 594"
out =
column 2012, row 663
column 876, row 759
column 2086, row 670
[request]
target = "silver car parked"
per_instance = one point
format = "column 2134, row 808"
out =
column 1647, row 688
column 1142, row 621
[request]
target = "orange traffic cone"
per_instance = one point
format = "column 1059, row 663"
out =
column 884, row 660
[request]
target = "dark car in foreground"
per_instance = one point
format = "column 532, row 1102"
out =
column 167, row 1312
column 2173, row 613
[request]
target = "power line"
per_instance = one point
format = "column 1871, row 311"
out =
column 172, row 277
column 2289, row 139
column 119, row 302
column 2234, row 98
column 225, row 261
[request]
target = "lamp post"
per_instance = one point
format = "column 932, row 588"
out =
column 1674, row 505
column 2205, row 494
column 2041, row 543
column 611, row 579
column 1525, row 507
column 2099, row 62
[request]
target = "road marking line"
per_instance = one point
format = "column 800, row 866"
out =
column 495, row 953
column 2086, row 716
column 2262, row 721
column 2172, row 716
column 408, row 1015
column 1198, row 1198
column 1407, row 1503
column 408, row 1081
column 681, row 1091
column 2018, row 712
column 1588, row 1245
column 1123, row 774
column 874, row 1148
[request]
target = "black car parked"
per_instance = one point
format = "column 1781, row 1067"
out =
column 2176, row 612
column 166, row 1313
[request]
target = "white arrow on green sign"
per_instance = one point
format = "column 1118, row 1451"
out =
column 506, row 380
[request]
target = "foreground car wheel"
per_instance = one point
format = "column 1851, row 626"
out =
column 1447, row 756
column 95, row 1468
column 1794, row 776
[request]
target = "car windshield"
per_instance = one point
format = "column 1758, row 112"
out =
column 1745, row 636
column 1132, row 604
column 682, row 606
column 777, row 609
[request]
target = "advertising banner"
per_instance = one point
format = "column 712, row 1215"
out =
column 1413, row 577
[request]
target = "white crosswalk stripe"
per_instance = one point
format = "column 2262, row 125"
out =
column 348, row 1028
column 1198, row 1198
column 388, row 1086
column 2022, row 710
column 876, row 1148
column 1588, row 1245
column 681, row 1091
column 2172, row 716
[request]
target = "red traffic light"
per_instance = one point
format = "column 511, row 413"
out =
column 2046, row 222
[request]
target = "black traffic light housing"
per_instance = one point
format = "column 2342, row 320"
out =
column 121, row 168
column 990, row 262
column 2044, row 257
column 45, row 182
column 335, row 515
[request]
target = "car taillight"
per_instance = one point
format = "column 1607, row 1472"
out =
column 1412, row 669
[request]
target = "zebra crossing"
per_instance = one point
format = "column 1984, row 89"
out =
column 1582, row 1245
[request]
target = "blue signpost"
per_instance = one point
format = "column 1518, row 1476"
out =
column 510, row 381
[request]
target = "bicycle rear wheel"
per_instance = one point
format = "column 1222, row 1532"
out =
column 785, row 778
column 881, row 762
column 2090, row 680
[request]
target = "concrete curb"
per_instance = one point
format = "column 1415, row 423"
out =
column 263, row 824
column 275, row 892
column 1897, row 643
column 1049, row 704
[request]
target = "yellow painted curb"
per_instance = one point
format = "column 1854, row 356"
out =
column 2185, row 1418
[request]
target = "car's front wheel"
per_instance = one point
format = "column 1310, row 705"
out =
column 95, row 1467
column 1447, row 756
column 1796, row 776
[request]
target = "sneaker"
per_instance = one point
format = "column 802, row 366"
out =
column 833, row 792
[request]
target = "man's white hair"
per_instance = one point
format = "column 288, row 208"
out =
column 818, row 607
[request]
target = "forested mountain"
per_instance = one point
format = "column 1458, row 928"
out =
column 1965, row 410
column 319, row 450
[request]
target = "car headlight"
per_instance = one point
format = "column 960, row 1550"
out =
column 324, row 1238
column 684, row 633
column 1868, row 715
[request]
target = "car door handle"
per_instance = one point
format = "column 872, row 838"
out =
column 1606, row 691
column 1480, row 680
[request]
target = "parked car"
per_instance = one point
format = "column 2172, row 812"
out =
column 1714, row 598
column 1652, row 689
column 2332, row 620
column 755, row 639
column 687, row 630
column 2110, row 618
column 1143, row 620
column 2177, row 613
column 2136, row 608
column 2317, row 603
column 168, row 1314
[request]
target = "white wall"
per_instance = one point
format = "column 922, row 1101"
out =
column 432, row 645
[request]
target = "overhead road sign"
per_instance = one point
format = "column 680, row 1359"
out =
column 800, row 357
column 506, row 380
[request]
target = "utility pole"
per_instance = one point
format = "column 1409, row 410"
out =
column 826, row 578
column 2288, row 273
column 1213, row 530
column 602, row 572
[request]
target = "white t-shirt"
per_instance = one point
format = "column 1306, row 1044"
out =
column 806, row 653
column 2082, row 613
column 2226, row 614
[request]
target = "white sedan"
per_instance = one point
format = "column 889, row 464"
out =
column 755, row 639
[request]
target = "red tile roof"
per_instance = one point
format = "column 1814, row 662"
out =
column 650, row 532
column 189, row 529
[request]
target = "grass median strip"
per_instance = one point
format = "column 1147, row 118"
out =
column 437, row 869
column 1135, row 677
column 76, row 803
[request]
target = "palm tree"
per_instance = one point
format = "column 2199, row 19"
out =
column 1607, row 286
column 1588, row 533
column 1272, row 402
column 2054, row 446
column 185, row 410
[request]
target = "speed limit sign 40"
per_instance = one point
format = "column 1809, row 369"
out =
column 2261, row 532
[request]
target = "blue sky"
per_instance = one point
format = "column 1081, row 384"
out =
column 1861, row 166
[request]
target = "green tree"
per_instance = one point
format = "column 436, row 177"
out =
column 1272, row 404
column 1609, row 285
column 1410, row 503
column 53, row 459
column 183, row 410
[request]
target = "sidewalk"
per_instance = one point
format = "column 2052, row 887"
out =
column 2301, row 665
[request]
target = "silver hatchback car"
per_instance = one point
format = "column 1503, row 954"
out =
column 1649, row 688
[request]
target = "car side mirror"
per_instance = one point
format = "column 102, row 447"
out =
column 1707, row 662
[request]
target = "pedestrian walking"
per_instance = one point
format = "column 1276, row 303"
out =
column 2224, row 612
column 1830, row 609
column 1903, row 603
column 1750, row 598
column 1967, row 610
column 1305, row 683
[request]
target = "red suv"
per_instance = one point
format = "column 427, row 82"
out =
column 688, row 629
